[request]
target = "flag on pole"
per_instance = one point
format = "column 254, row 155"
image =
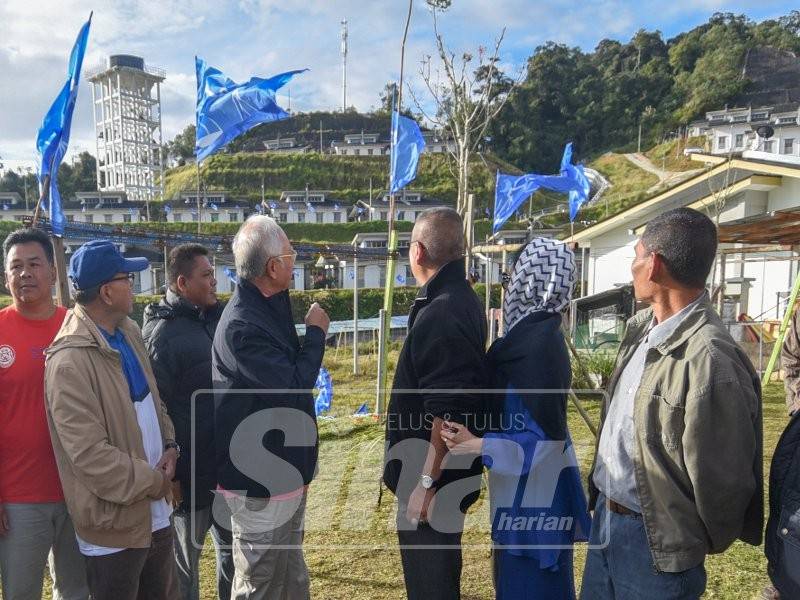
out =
column 407, row 145
column 362, row 410
column 226, row 109
column 512, row 190
column 231, row 273
column 214, row 207
column 53, row 138
column 310, row 207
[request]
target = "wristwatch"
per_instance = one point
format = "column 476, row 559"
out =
column 427, row 482
column 173, row 445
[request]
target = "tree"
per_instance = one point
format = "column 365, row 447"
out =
column 470, row 96
column 182, row 146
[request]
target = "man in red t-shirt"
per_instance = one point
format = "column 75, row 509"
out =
column 33, row 516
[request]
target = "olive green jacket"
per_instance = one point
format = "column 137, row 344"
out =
column 698, row 440
column 790, row 363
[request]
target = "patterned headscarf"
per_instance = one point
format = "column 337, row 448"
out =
column 542, row 281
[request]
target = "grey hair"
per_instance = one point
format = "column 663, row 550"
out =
column 440, row 230
column 258, row 239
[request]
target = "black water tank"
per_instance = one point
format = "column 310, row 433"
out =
column 126, row 60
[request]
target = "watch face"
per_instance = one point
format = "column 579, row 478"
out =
column 427, row 482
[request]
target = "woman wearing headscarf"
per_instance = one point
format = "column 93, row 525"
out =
column 538, row 506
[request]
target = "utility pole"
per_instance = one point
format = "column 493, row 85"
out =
column 344, row 65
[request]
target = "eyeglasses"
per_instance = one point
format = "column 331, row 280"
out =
column 128, row 276
column 292, row 255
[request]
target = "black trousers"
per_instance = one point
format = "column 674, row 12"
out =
column 135, row 573
column 430, row 571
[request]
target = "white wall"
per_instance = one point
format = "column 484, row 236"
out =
column 610, row 258
column 785, row 196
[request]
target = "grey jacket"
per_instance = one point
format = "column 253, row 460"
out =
column 790, row 363
column 698, row 454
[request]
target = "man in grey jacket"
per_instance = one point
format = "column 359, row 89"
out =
column 678, row 469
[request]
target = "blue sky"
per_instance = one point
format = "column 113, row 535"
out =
column 263, row 37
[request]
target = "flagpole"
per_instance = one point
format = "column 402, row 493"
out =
column 391, row 263
column 199, row 214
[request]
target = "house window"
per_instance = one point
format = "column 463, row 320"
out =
column 401, row 215
column 89, row 218
column 788, row 146
column 177, row 217
column 233, row 217
column 108, row 218
column 769, row 146
column 301, row 217
column 126, row 218
column 215, row 217
column 194, row 216
column 282, row 217
column 319, row 217
column 384, row 215
column 70, row 218
column 369, row 151
column 739, row 140
column 722, row 142
column 382, row 276
column 337, row 217
column 357, row 151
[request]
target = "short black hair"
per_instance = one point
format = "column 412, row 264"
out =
column 25, row 236
column 181, row 260
column 441, row 230
column 84, row 297
column 686, row 240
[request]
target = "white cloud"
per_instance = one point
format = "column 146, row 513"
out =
column 262, row 37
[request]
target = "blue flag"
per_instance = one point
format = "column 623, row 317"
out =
column 53, row 138
column 231, row 273
column 579, row 193
column 214, row 207
column 407, row 145
column 324, row 385
column 362, row 410
column 226, row 109
column 512, row 190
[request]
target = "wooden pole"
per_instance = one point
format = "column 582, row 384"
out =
column 388, row 297
column 355, row 315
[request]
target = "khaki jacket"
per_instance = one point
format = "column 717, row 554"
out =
column 108, row 483
column 698, row 440
column 790, row 363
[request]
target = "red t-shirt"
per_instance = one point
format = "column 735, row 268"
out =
column 28, row 472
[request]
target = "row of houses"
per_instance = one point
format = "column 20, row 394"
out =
column 358, row 144
column 302, row 206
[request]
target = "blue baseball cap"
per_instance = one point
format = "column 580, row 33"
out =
column 98, row 261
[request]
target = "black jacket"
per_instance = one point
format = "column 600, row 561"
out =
column 533, row 356
column 258, row 364
column 178, row 338
column 782, row 538
column 444, row 350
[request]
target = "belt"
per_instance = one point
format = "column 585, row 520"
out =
column 616, row 507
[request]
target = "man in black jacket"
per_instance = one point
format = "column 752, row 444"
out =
column 178, row 332
column 265, row 424
column 439, row 372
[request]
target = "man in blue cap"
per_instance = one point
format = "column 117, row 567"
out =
column 113, row 440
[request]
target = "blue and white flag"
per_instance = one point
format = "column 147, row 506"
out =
column 167, row 208
column 362, row 410
column 273, row 206
column 407, row 145
column 214, row 207
column 226, row 109
column 401, row 279
column 291, row 208
column 512, row 190
column 6, row 207
column 310, row 207
column 231, row 273
column 53, row 138
column 324, row 385
column 336, row 206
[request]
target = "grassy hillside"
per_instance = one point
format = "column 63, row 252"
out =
column 347, row 176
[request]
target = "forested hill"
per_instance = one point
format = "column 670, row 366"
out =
column 598, row 98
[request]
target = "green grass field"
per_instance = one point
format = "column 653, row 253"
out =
column 350, row 546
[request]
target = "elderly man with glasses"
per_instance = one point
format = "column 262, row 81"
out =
column 265, row 424
column 113, row 440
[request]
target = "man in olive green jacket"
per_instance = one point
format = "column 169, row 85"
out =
column 678, row 469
